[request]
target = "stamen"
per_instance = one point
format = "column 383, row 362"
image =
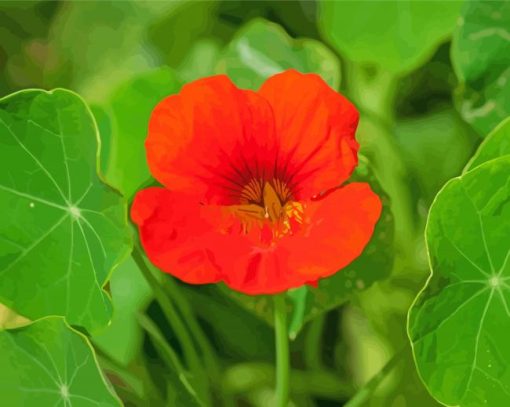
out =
column 268, row 206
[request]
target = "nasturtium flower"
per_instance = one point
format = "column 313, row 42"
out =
column 252, row 184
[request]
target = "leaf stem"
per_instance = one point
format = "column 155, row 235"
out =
column 168, row 354
column 282, row 351
column 363, row 394
column 196, row 331
column 190, row 353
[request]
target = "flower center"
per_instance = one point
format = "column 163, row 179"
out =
column 268, row 203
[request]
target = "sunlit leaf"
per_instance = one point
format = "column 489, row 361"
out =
column 496, row 144
column 481, row 58
column 261, row 49
column 398, row 36
column 49, row 364
column 459, row 323
column 129, row 111
column 62, row 229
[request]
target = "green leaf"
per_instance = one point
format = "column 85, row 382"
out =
column 459, row 323
column 375, row 263
column 130, row 293
column 398, row 36
column 130, row 107
column 62, row 229
column 496, row 144
column 428, row 139
column 47, row 363
column 481, row 59
column 261, row 49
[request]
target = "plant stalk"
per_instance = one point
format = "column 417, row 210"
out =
column 282, row 351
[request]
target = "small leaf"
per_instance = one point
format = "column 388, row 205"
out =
column 397, row 36
column 62, row 229
column 496, row 144
column 481, row 59
column 261, row 49
column 459, row 323
column 47, row 363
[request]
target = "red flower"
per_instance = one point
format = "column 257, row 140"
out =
column 251, row 182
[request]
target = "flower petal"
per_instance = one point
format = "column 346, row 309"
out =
column 211, row 139
column 174, row 234
column 315, row 127
column 341, row 225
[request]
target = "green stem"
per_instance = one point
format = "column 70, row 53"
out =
column 364, row 394
column 168, row 354
column 196, row 331
column 313, row 343
column 190, row 354
column 282, row 351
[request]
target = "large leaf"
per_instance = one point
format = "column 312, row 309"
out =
column 496, row 144
column 261, row 49
column 459, row 323
column 481, row 59
column 62, row 229
column 130, row 108
column 49, row 364
column 375, row 263
column 398, row 36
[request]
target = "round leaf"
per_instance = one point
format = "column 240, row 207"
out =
column 459, row 323
column 261, row 49
column 49, row 364
column 62, row 229
column 481, row 59
column 398, row 36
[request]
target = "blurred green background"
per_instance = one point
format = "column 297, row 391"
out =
column 393, row 59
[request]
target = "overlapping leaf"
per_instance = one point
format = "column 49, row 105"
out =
column 62, row 229
column 47, row 363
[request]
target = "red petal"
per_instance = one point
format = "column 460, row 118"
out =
column 211, row 139
column 340, row 227
column 174, row 234
column 315, row 127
